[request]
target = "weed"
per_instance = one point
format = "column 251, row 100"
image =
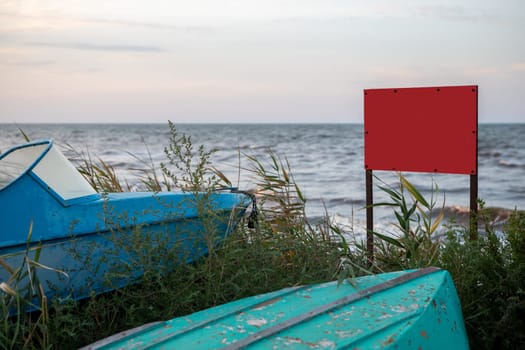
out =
column 415, row 244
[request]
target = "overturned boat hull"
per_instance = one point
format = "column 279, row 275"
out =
column 416, row 309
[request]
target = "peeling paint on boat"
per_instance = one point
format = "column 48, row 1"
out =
column 257, row 322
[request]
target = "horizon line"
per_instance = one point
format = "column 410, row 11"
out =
column 215, row 123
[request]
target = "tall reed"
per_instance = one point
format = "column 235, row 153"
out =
column 23, row 292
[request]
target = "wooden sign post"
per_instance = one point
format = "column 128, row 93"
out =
column 429, row 129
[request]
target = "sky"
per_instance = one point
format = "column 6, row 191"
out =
column 247, row 61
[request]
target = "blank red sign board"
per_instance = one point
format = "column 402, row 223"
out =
column 429, row 129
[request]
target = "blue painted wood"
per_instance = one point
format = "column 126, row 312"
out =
column 83, row 237
column 416, row 309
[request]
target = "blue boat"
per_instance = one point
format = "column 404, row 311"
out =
column 415, row 309
column 81, row 242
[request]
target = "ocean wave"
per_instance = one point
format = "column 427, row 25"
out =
column 510, row 164
column 489, row 154
column 461, row 215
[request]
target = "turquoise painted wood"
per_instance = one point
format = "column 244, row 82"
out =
column 417, row 309
column 50, row 213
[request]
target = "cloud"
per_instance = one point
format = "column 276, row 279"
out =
column 455, row 13
column 97, row 47
column 29, row 63
column 17, row 21
column 148, row 25
column 518, row 66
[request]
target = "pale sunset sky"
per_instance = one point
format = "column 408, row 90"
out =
column 209, row 61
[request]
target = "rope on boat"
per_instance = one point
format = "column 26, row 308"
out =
column 252, row 219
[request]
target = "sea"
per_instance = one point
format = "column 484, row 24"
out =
column 326, row 160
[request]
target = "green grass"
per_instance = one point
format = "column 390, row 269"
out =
column 283, row 249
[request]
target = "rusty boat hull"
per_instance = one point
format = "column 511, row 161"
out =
column 415, row 309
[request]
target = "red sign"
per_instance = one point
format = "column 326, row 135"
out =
column 431, row 129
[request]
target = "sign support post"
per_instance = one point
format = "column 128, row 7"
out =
column 369, row 217
column 473, row 207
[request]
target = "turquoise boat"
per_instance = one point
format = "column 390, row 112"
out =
column 78, row 242
column 415, row 309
